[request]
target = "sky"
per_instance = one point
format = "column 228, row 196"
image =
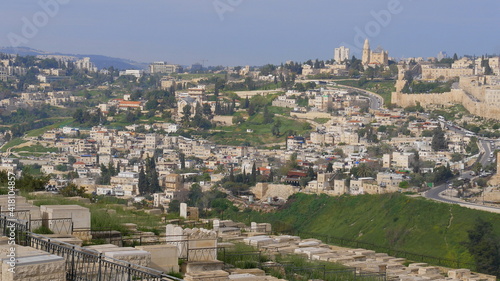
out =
column 250, row 32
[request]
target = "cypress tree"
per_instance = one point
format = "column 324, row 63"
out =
column 253, row 178
column 142, row 185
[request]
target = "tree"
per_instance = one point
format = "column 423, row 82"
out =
column 455, row 157
column 416, row 163
column 198, row 117
column 329, row 167
column 310, row 173
column 484, row 246
column 238, row 119
column 275, row 129
column 253, row 178
column 271, row 176
column 105, row 175
column 186, row 114
column 174, row 206
column 207, row 110
column 251, row 109
column 143, row 184
column 268, row 116
column 151, row 104
column 442, row 174
column 182, row 159
column 132, row 116
column 438, row 140
column 247, row 102
column 249, row 83
column 362, row 171
column 339, row 152
column 487, row 68
column 231, row 175
column 79, row 116
column 303, row 181
column 195, row 194
column 72, row 190
column 481, row 182
column 370, row 73
column 404, row 185
column 31, row 183
column 220, row 205
column 152, row 176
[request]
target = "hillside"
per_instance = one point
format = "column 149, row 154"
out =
column 391, row 220
column 99, row 60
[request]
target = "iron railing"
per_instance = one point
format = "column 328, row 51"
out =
column 81, row 264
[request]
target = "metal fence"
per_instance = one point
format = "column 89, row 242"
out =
column 289, row 271
column 14, row 229
column 59, row 226
column 81, row 264
column 202, row 254
column 24, row 215
column 188, row 252
column 241, row 259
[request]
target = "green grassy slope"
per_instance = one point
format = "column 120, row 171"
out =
column 391, row 220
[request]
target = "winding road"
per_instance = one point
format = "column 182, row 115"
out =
column 439, row 194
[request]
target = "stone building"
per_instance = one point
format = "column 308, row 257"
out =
column 377, row 57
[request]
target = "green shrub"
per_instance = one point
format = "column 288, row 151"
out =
column 43, row 230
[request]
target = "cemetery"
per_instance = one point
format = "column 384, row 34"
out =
column 196, row 253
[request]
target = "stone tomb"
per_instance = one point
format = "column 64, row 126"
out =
column 196, row 244
column 24, row 210
column 80, row 217
column 190, row 213
column 259, row 241
column 163, row 257
column 125, row 254
column 260, row 227
column 213, row 275
column 31, row 265
column 58, row 238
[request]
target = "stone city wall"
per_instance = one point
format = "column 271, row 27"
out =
column 265, row 190
column 311, row 115
column 456, row 96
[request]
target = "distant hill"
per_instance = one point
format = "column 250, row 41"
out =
column 99, row 60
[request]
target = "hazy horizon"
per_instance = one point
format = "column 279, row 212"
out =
column 244, row 32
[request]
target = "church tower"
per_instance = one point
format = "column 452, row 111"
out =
column 366, row 52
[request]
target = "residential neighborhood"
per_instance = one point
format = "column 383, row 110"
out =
column 250, row 141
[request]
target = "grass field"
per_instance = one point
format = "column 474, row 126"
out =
column 321, row 120
column 36, row 148
column 31, row 154
column 452, row 113
column 261, row 135
column 39, row 132
column 395, row 221
column 12, row 143
column 101, row 219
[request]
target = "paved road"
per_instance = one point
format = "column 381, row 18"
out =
column 376, row 101
column 434, row 194
column 488, row 147
column 439, row 194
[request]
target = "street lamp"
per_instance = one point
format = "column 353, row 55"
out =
column 483, row 195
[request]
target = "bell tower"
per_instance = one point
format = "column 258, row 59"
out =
column 366, row 52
